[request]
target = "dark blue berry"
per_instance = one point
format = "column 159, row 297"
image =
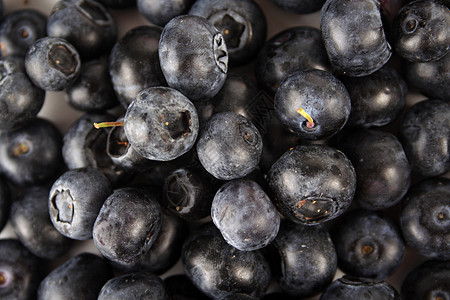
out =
column 160, row 12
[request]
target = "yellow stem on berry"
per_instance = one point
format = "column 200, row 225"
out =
column 107, row 124
column 310, row 120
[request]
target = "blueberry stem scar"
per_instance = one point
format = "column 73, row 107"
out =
column 310, row 123
column 107, row 124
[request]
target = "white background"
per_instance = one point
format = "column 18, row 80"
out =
column 57, row 110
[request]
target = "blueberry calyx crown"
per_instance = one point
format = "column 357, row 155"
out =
column 220, row 52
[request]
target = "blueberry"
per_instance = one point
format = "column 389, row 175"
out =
column 305, row 259
column 193, row 57
column 140, row 285
column 86, row 24
column 134, row 63
column 80, row 277
column 349, row 287
column 420, row 31
column 242, row 24
column 127, row 225
column 293, row 49
column 382, row 169
column 19, row 271
column 300, row 7
column 93, row 90
column 52, row 63
column 20, row 99
column 159, row 12
column 85, row 146
column 19, row 29
column 312, row 184
column 429, row 280
column 425, row 218
column 356, row 45
column 229, row 146
column 33, row 227
column 312, row 94
column 430, row 78
column 165, row 250
column 31, row 154
column 75, row 200
column 5, row 202
column 161, row 123
column 377, row 99
column 218, row 269
column 424, row 133
column 368, row 244
column 245, row 215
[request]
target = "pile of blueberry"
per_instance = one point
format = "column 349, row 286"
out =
column 261, row 165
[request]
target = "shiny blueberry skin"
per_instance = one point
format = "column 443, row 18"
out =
column 349, row 287
column 31, row 223
column 75, row 200
column 356, row 45
column 420, row 31
column 293, row 49
column 85, row 146
column 165, row 250
column 312, row 184
column 134, row 63
column 32, row 153
column 425, row 218
column 229, row 146
column 300, row 7
column 80, row 277
column 5, row 203
column 368, row 244
column 382, row 170
column 86, row 24
column 20, row 99
column 193, row 57
column 425, row 133
column 429, row 280
column 93, row 90
column 319, row 94
column 245, row 215
column 188, row 193
column 19, row 271
column 430, row 78
column 304, row 259
column 140, row 285
column 19, row 29
column 377, row 99
column 127, row 225
column 52, row 63
column 242, row 23
column 218, row 269
column 161, row 123
column 160, row 12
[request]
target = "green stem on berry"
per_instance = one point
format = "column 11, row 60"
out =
column 107, row 124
